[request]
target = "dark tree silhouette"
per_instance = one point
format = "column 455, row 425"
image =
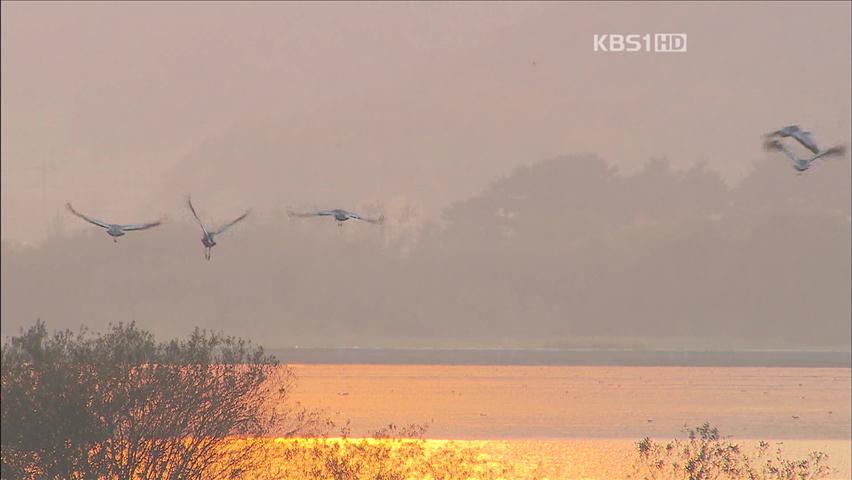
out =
column 121, row 405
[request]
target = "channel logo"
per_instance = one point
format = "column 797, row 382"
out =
column 652, row 43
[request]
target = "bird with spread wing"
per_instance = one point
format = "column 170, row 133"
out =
column 208, row 239
column 805, row 139
column 340, row 215
column 114, row 230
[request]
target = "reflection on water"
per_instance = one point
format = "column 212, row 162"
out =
column 582, row 422
column 483, row 459
column 558, row 402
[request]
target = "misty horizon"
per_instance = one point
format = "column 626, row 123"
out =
column 552, row 255
column 537, row 193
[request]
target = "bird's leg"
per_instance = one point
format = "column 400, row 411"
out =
column 114, row 240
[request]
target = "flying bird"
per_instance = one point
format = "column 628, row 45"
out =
column 208, row 239
column 799, row 163
column 114, row 230
column 806, row 140
column 340, row 215
column 802, row 136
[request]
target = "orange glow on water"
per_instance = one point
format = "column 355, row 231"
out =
column 536, row 422
column 602, row 459
column 563, row 402
column 562, row 422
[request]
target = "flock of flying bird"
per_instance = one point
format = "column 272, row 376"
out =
column 208, row 238
column 773, row 142
column 804, row 138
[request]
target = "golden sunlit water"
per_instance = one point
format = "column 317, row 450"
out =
column 573, row 422
column 603, row 459
column 559, row 402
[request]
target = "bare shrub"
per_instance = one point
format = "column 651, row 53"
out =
column 121, row 405
column 708, row 456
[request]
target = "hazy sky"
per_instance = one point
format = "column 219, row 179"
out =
column 426, row 112
column 123, row 108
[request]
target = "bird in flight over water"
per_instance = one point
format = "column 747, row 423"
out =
column 114, row 230
column 805, row 139
column 208, row 240
column 340, row 215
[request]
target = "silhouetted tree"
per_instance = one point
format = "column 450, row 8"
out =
column 121, row 405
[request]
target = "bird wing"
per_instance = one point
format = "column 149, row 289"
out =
column 830, row 152
column 786, row 131
column 189, row 203
column 377, row 221
column 772, row 144
column 838, row 150
column 322, row 213
column 806, row 140
column 139, row 226
column 88, row 219
column 230, row 224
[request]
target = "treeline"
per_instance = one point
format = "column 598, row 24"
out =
column 561, row 250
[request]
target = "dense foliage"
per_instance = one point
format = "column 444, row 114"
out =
column 122, row 405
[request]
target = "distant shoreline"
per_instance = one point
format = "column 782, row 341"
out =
column 562, row 357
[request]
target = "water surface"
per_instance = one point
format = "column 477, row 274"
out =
column 571, row 422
